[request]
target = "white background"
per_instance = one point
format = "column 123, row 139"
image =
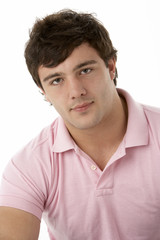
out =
column 134, row 27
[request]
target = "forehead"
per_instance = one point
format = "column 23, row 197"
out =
column 80, row 57
column 80, row 54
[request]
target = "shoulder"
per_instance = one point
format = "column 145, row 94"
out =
column 37, row 153
column 46, row 136
column 44, row 140
column 27, row 176
column 152, row 115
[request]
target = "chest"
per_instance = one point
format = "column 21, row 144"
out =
column 121, row 202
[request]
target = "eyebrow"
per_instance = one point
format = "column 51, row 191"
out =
column 58, row 74
column 84, row 64
column 51, row 76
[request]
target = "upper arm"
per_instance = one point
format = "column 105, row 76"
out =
column 17, row 224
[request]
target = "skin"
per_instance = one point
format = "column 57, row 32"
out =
column 18, row 225
column 74, row 86
column 83, row 92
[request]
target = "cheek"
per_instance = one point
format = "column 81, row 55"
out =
column 52, row 96
column 58, row 103
column 105, row 91
column 101, row 86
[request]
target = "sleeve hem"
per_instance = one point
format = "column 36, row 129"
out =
column 21, row 205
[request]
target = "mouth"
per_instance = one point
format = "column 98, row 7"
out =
column 82, row 107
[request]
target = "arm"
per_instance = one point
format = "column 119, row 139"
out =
column 18, row 225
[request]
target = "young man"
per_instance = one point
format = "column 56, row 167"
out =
column 94, row 173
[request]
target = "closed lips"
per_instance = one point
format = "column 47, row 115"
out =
column 81, row 106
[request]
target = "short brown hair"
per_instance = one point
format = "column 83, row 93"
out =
column 53, row 38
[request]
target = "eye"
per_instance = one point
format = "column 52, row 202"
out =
column 56, row 81
column 86, row 71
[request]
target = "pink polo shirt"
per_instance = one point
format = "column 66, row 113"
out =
column 53, row 177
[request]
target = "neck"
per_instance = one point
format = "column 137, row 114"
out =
column 104, row 138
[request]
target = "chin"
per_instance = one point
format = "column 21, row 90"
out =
column 85, row 125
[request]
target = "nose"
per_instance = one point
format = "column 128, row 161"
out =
column 76, row 88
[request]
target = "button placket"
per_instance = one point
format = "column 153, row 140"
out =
column 94, row 170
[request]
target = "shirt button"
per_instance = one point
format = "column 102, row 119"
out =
column 93, row 167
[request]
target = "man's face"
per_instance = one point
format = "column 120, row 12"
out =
column 81, row 88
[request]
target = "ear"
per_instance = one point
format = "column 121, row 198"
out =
column 112, row 67
column 44, row 94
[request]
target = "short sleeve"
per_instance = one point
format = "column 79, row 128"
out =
column 24, row 183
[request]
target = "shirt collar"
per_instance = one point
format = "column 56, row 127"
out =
column 136, row 133
column 137, row 127
column 62, row 139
